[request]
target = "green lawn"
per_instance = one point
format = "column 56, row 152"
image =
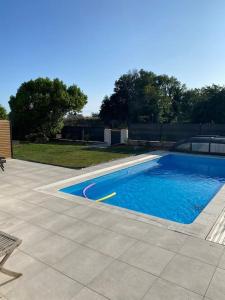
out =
column 71, row 155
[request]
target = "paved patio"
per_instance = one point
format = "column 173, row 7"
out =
column 72, row 251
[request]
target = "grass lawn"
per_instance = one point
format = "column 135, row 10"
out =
column 71, row 155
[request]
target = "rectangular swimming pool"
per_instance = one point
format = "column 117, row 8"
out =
column 172, row 187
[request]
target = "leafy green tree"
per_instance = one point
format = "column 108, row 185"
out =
column 143, row 96
column 189, row 100
column 142, row 104
column 171, row 91
column 40, row 105
column 115, row 109
column 210, row 106
column 3, row 113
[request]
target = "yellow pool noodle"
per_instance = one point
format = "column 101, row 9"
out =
column 106, row 197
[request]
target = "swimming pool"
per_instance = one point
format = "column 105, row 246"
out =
column 173, row 187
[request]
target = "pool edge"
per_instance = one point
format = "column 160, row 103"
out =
column 201, row 226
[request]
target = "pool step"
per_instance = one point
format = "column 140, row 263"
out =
column 217, row 233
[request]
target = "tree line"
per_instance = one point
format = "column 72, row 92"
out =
column 144, row 97
column 39, row 107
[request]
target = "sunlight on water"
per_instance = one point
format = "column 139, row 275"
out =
column 173, row 187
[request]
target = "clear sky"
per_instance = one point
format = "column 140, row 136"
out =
column 92, row 42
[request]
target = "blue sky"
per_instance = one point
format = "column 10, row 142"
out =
column 92, row 42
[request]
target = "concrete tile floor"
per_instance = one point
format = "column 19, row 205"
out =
column 73, row 251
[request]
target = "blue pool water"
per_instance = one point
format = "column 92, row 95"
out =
column 173, row 187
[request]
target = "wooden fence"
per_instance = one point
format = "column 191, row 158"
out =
column 5, row 139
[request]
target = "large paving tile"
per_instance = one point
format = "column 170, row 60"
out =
column 52, row 221
column 165, row 238
column 39, row 198
column 11, row 192
column 51, row 249
column 87, row 294
column 102, row 218
column 147, row 257
column 110, row 243
column 164, row 290
column 42, row 217
column 32, row 213
column 79, row 212
column 83, row 264
column 4, row 216
column 203, row 250
column 32, row 197
column 10, row 224
column 15, row 207
column 189, row 273
column 4, row 185
column 93, row 215
column 30, row 234
column 122, row 282
column 222, row 261
column 216, row 290
column 49, row 285
column 22, row 263
column 131, row 228
column 57, row 204
column 81, row 231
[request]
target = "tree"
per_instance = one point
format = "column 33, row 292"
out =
column 210, row 106
column 40, row 105
column 142, row 96
column 114, row 109
column 3, row 113
column 172, row 91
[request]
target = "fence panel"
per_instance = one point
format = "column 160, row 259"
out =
column 149, row 132
column 213, row 129
column 174, row 131
column 72, row 132
column 5, row 139
column 93, row 133
column 83, row 133
column 145, row 132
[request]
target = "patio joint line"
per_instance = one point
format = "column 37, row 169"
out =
column 113, row 260
column 111, row 230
